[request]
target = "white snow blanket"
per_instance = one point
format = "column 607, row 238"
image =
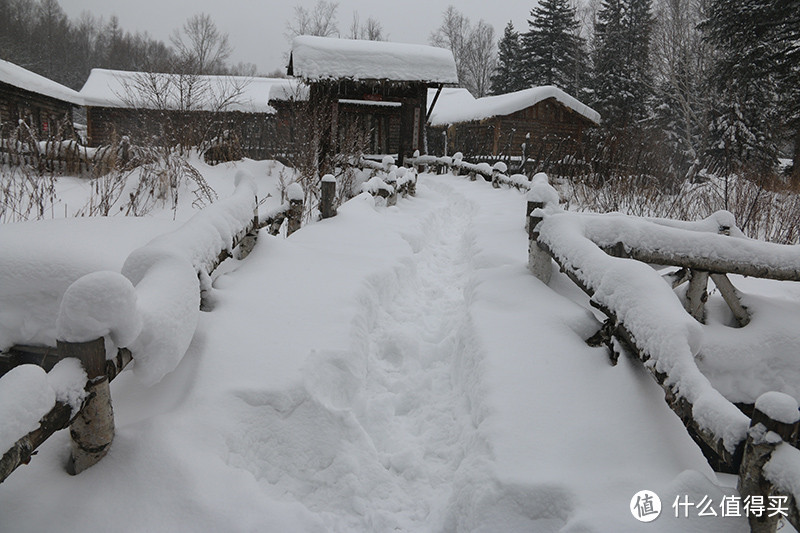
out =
column 145, row 90
column 315, row 58
column 17, row 76
column 389, row 369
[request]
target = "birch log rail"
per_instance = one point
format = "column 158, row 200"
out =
column 589, row 248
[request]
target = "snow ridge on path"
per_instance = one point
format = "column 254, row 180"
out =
column 374, row 437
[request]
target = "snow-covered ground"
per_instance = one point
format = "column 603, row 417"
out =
column 390, row 369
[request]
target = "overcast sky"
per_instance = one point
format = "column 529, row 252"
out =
column 256, row 27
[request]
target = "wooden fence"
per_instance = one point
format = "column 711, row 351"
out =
column 749, row 452
column 92, row 425
column 763, row 447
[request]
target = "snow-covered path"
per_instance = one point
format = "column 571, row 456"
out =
column 391, row 369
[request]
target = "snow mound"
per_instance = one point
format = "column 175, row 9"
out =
column 99, row 304
column 779, row 407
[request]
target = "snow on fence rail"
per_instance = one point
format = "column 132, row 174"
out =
column 646, row 317
column 496, row 174
column 148, row 312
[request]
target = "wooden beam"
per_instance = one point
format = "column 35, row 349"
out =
column 731, row 297
column 663, row 257
column 696, row 294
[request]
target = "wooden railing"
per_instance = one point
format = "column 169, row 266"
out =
column 201, row 244
column 732, row 441
column 91, row 422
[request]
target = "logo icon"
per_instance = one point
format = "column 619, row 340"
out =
column 645, row 506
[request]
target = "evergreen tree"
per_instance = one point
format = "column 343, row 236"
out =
column 758, row 75
column 622, row 62
column 508, row 76
column 553, row 49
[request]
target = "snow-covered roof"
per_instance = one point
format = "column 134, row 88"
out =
column 30, row 81
column 118, row 88
column 288, row 89
column 454, row 107
column 316, row 58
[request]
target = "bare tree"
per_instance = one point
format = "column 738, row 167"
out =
column 371, row 30
column 480, row 58
column 320, row 20
column 474, row 49
column 202, row 48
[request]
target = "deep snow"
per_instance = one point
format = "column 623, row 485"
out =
column 390, row 369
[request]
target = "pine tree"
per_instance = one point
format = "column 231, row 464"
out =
column 553, row 49
column 622, row 62
column 758, row 75
column 508, row 74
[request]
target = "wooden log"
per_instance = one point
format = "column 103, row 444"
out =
column 709, row 264
column 248, row 242
column 92, row 431
column 539, row 262
column 327, row 207
column 59, row 417
column 731, row 297
column 767, row 431
column 713, row 446
column 295, row 215
column 696, row 294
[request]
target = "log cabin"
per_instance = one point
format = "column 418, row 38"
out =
column 369, row 96
column 185, row 109
column 44, row 105
column 544, row 124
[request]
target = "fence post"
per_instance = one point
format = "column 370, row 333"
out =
column 538, row 259
column 696, row 294
column 327, row 209
column 92, row 431
column 775, row 415
column 249, row 240
column 295, row 215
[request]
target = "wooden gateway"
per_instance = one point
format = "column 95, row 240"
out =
column 369, row 96
column 546, row 120
column 44, row 105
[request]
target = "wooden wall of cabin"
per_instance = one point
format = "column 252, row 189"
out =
column 254, row 132
column 405, row 131
column 46, row 116
column 555, row 132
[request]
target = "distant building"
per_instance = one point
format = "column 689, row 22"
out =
column 369, row 93
column 45, row 106
column 192, row 110
column 548, row 121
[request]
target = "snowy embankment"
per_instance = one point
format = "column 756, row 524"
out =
column 387, row 369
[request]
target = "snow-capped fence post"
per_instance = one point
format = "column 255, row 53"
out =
column 249, row 240
column 326, row 207
column 92, row 431
column 774, row 421
column 295, row 215
column 540, row 196
column 538, row 259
